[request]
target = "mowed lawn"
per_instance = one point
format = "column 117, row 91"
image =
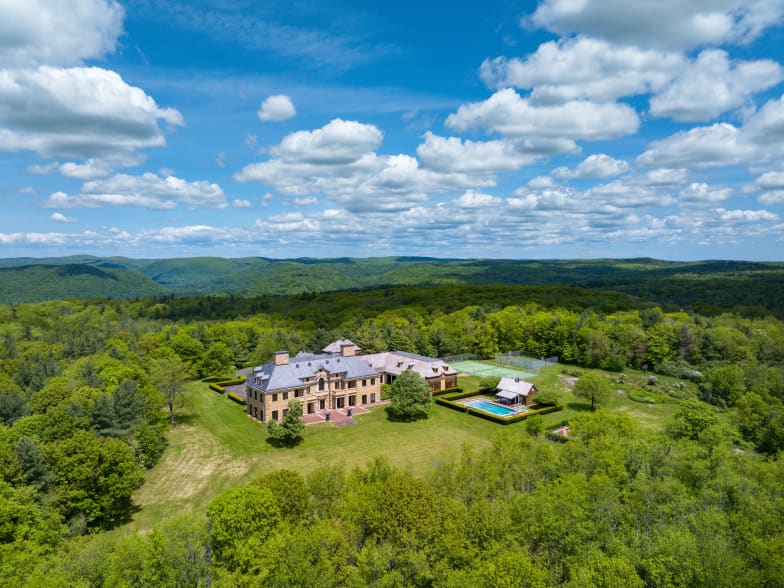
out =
column 214, row 445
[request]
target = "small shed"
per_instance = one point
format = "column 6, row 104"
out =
column 515, row 391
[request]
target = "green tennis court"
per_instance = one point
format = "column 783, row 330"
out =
column 480, row 368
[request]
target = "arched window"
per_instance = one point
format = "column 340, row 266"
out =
column 321, row 384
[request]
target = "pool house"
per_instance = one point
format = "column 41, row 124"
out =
column 514, row 391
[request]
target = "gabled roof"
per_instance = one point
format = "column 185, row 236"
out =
column 271, row 377
column 515, row 385
column 335, row 346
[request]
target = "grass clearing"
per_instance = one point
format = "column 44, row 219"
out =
column 215, row 445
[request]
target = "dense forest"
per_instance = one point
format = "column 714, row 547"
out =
column 707, row 287
column 88, row 390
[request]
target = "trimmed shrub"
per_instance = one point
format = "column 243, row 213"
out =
column 217, row 388
column 445, row 391
column 236, row 398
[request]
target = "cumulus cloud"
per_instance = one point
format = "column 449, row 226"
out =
column 476, row 199
column 276, row 109
column 700, row 193
column 91, row 169
column 58, row 32
column 338, row 142
column 760, row 139
column 61, row 218
column 583, row 68
column 597, row 166
column 240, row 203
column 677, row 24
column 148, row 191
column 712, row 85
column 771, row 184
column 507, row 113
column 340, row 162
column 77, row 112
column 716, row 145
column 455, row 154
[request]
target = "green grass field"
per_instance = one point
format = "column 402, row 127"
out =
column 215, row 445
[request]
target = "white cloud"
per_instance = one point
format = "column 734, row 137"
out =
column 307, row 201
column 77, row 112
column 338, row 142
column 148, row 190
column 598, row 166
column 701, row 193
column 628, row 195
column 676, row 24
column 221, row 159
column 239, row 203
column 771, row 184
column 717, row 145
column 476, row 199
column 92, row 168
column 455, row 154
column 711, row 85
column 57, row 32
column 746, row 216
column 507, row 113
column 760, row 139
column 665, row 177
column 28, row 190
column 583, row 68
column 61, row 218
column 339, row 161
column 276, row 109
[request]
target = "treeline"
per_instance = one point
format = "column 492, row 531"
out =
column 87, row 390
column 615, row 506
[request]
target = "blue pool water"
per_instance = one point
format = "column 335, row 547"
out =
column 490, row 407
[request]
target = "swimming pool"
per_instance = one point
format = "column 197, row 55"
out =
column 491, row 408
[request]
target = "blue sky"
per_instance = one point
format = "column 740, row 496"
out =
column 563, row 129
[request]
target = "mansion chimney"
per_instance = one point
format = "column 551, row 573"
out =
column 347, row 350
column 280, row 357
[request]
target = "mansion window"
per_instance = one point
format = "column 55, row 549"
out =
column 321, row 384
column 274, row 415
column 352, row 384
column 274, row 398
column 285, row 396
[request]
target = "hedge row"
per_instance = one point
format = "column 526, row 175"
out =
column 453, row 390
column 219, row 386
column 458, row 394
column 491, row 417
column 235, row 398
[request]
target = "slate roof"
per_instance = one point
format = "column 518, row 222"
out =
column 270, row 377
column 514, row 385
column 335, row 346
column 396, row 362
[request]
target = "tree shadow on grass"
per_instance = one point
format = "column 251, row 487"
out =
column 280, row 444
column 578, row 406
column 394, row 418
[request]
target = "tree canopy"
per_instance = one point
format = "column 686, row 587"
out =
column 410, row 397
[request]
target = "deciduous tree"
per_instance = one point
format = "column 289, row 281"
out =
column 593, row 387
column 410, row 396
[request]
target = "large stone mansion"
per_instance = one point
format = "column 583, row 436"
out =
column 337, row 378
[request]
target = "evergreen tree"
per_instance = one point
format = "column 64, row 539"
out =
column 289, row 430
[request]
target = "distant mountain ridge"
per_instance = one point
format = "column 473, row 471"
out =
column 716, row 282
